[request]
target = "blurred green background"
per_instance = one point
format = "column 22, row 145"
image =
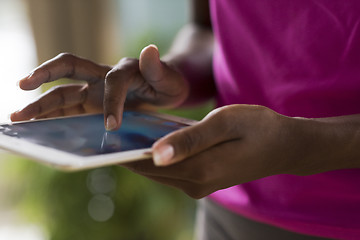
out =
column 106, row 203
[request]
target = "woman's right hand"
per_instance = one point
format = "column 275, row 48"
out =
column 136, row 81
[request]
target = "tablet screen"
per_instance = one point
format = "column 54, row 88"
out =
column 86, row 135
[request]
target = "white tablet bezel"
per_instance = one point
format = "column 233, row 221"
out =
column 71, row 162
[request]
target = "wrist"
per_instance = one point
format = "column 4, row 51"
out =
column 321, row 144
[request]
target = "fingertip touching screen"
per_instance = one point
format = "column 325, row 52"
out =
column 86, row 135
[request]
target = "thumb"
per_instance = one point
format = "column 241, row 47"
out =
column 164, row 79
column 188, row 141
column 150, row 65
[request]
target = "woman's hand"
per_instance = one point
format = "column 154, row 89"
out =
column 136, row 81
column 241, row 143
column 64, row 100
column 232, row 145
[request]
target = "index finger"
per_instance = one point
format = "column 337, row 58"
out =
column 64, row 65
column 186, row 142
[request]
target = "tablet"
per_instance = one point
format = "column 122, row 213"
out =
column 81, row 142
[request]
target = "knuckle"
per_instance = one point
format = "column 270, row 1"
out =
column 114, row 78
column 36, row 108
column 111, row 76
column 226, row 114
column 68, row 62
column 61, row 96
column 224, row 120
column 258, row 110
column 122, row 71
column 128, row 62
column 65, row 56
column 188, row 142
column 84, row 93
column 220, row 115
column 128, row 65
column 59, row 92
column 266, row 111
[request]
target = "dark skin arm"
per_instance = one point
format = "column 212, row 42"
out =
column 241, row 143
column 232, row 145
column 191, row 53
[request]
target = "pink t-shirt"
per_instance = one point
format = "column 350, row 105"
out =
column 299, row 58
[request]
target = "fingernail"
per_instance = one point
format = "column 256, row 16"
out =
column 22, row 79
column 154, row 46
column 151, row 45
column 11, row 115
column 110, row 123
column 163, row 155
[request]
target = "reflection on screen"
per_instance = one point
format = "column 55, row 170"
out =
column 86, row 135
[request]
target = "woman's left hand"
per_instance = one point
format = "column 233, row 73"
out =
column 230, row 146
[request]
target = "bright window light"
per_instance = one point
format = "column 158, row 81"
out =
column 17, row 56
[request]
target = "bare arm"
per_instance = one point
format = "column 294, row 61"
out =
column 191, row 53
column 324, row 144
column 241, row 143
